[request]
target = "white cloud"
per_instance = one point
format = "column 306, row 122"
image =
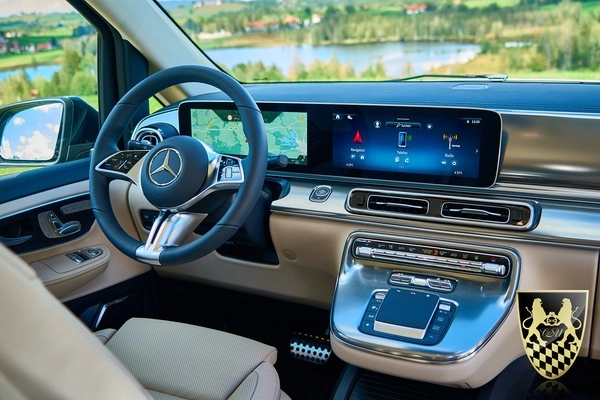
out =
column 48, row 107
column 5, row 151
column 18, row 121
column 36, row 147
column 53, row 128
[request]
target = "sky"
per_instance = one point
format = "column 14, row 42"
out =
column 31, row 134
column 11, row 7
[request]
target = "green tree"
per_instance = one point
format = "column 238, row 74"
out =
column 16, row 88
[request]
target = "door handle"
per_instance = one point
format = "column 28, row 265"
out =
column 14, row 241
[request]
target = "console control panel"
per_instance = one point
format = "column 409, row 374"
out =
column 409, row 315
column 496, row 265
column 398, row 278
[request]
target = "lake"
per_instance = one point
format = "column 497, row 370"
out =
column 45, row 71
column 399, row 59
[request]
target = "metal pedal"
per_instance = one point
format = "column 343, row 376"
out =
column 311, row 348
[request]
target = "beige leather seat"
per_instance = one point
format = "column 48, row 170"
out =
column 47, row 353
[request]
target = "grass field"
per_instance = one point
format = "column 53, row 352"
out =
column 588, row 7
column 591, row 7
column 498, row 63
column 486, row 3
column 583, row 75
column 13, row 61
column 182, row 14
column 14, row 170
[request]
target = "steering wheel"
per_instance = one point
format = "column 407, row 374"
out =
column 178, row 174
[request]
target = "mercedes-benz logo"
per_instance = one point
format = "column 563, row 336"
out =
column 165, row 167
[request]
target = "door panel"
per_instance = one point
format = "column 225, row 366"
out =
column 29, row 218
column 47, row 225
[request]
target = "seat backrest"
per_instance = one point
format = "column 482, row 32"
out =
column 45, row 351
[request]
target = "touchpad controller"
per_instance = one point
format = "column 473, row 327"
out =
column 408, row 315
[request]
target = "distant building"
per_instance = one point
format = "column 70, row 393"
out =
column 412, row 9
column 14, row 47
column 292, row 21
column 207, row 3
column 43, row 46
column 214, row 35
column 260, row 26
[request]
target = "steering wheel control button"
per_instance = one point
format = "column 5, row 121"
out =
column 320, row 194
column 229, row 169
column 148, row 217
column 174, row 171
column 122, row 161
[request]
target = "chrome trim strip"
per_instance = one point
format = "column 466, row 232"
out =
column 45, row 204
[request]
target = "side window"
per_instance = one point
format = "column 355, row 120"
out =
column 47, row 49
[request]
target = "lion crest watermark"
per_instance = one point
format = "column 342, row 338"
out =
column 552, row 325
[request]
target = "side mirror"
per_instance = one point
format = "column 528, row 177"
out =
column 46, row 131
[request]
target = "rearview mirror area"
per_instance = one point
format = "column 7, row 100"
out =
column 48, row 131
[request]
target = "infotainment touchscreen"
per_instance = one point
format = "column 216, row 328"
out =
column 439, row 145
column 409, row 142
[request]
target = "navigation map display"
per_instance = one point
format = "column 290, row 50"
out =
column 222, row 130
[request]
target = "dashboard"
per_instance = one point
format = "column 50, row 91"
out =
column 415, row 212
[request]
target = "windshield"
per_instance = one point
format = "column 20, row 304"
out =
column 309, row 40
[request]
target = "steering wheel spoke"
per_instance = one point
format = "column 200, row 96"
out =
column 170, row 229
column 123, row 165
column 227, row 174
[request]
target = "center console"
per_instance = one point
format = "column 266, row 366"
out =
column 420, row 299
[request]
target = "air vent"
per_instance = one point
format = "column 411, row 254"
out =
column 402, row 205
column 477, row 212
column 492, row 212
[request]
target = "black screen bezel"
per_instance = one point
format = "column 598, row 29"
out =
column 320, row 138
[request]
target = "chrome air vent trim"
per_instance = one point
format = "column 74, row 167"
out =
column 492, row 212
column 477, row 212
column 398, row 205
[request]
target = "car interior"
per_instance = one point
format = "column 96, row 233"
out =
column 194, row 253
